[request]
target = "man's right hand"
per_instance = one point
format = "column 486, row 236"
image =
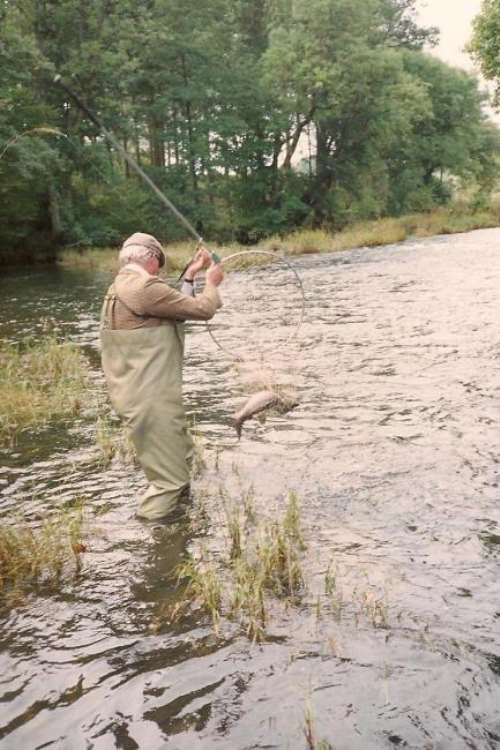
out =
column 215, row 274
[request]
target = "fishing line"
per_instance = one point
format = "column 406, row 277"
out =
column 269, row 263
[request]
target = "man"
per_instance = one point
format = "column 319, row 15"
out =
column 142, row 341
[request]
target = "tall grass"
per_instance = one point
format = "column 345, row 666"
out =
column 39, row 382
column 106, row 258
column 204, row 587
column 263, row 560
column 450, row 220
column 455, row 218
column 45, row 554
column 113, row 441
column 310, row 735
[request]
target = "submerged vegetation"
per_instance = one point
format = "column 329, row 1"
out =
column 46, row 554
column 39, row 382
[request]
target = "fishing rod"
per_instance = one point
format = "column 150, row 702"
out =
column 134, row 165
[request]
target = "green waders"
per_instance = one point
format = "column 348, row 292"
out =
column 143, row 369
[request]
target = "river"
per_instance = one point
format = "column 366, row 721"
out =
column 393, row 451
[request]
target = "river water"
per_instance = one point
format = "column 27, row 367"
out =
column 393, row 451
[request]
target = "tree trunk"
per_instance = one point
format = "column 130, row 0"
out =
column 55, row 213
column 189, row 121
column 324, row 174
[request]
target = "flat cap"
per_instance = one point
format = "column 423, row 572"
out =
column 140, row 239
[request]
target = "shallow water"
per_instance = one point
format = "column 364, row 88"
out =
column 394, row 452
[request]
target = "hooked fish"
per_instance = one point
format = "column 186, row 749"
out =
column 258, row 403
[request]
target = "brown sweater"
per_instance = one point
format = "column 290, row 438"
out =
column 138, row 300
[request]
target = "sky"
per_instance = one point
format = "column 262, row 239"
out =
column 454, row 20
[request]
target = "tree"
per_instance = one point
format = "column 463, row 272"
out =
column 485, row 44
column 214, row 99
column 454, row 141
column 29, row 161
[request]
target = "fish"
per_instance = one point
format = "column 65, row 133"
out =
column 257, row 403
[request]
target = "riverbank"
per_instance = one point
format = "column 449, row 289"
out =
column 454, row 219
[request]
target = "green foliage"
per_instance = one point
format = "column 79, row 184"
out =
column 215, row 100
column 485, row 45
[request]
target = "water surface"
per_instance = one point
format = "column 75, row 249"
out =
column 394, row 453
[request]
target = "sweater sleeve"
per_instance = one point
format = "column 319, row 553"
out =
column 163, row 301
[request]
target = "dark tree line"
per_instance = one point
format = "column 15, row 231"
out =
column 216, row 100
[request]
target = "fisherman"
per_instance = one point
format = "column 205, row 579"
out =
column 142, row 341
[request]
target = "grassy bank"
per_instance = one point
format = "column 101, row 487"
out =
column 39, row 382
column 450, row 220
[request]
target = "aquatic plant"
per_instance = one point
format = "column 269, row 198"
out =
column 204, row 586
column 199, row 460
column 39, row 382
column 46, row 553
column 247, row 599
column 375, row 609
column 330, row 579
column 312, row 743
column 113, row 441
column 277, row 556
column 332, row 591
column 262, row 563
column 291, row 520
column 235, row 531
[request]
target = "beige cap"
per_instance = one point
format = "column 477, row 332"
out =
column 139, row 239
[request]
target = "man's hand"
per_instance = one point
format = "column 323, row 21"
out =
column 201, row 260
column 215, row 274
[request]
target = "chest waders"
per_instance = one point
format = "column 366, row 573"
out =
column 143, row 369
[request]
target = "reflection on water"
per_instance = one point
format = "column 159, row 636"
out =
column 394, row 451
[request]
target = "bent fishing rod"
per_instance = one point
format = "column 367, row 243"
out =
column 134, row 165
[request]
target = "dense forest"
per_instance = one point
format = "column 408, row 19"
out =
column 254, row 116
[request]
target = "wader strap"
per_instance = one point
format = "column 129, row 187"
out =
column 108, row 311
column 109, row 304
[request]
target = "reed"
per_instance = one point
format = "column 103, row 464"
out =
column 375, row 609
column 203, row 587
column 310, row 734
column 234, row 524
column 113, row 441
column 199, row 459
column 48, row 553
column 247, row 600
column 263, row 560
column 279, row 562
column 40, row 382
column 332, row 590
